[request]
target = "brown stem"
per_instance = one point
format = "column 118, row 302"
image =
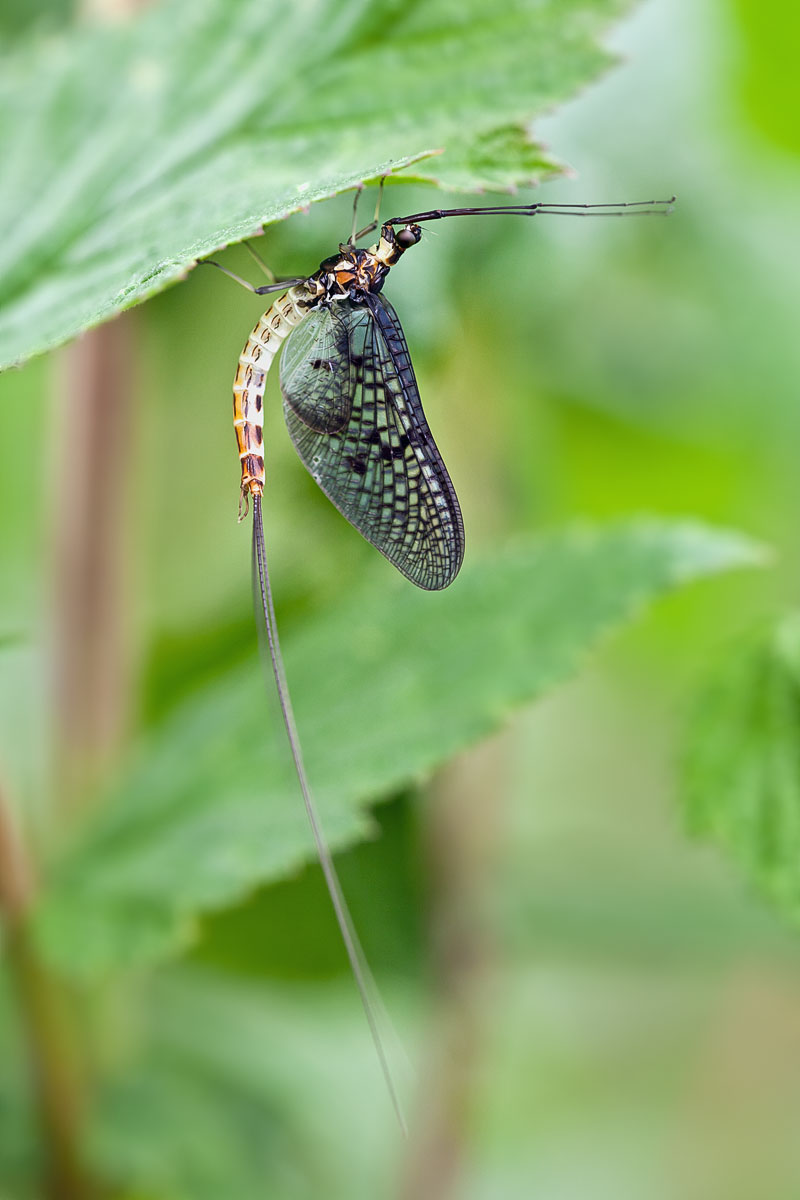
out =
column 461, row 841
column 96, row 393
column 89, row 644
column 90, row 686
column 16, row 884
column 54, row 1077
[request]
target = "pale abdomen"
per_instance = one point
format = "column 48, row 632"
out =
column 251, row 381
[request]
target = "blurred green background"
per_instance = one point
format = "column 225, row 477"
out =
column 616, row 1015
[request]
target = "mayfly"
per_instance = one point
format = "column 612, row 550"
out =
column 353, row 411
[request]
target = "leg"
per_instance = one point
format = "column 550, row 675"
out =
column 251, row 250
column 374, row 222
column 278, row 286
column 356, row 198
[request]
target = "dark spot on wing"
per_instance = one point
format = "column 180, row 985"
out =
column 393, row 453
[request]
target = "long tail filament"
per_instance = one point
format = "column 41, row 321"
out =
column 352, row 945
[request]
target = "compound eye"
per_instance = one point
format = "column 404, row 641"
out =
column 409, row 236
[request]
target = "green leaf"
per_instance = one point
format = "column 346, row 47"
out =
column 765, row 61
column 742, row 762
column 387, row 687
column 136, row 150
column 228, row 1093
column 20, row 1143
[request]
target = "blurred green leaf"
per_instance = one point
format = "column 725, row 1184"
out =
column 610, row 900
column 767, row 60
column 742, row 763
column 20, row 1151
column 20, row 16
column 136, row 150
column 385, row 693
column 171, row 1130
column 24, row 762
column 229, row 1094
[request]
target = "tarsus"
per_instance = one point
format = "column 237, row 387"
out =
column 355, row 954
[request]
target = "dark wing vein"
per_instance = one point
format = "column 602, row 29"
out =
column 380, row 467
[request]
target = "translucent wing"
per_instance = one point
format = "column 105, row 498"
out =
column 318, row 377
column 381, row 467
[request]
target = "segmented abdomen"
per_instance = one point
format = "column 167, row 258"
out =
column 251, row 381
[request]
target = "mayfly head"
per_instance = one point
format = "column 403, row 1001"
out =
column 394, row 242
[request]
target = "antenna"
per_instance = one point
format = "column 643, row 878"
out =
column 620, row 209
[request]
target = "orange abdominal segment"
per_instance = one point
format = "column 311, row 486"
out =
column 251, row 381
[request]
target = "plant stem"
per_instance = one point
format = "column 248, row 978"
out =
column 53, row 1074
column 15, row 878
column 461, row 839
column 90, row 674
column 90, row 661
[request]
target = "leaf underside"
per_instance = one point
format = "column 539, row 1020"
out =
column 129, row 152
